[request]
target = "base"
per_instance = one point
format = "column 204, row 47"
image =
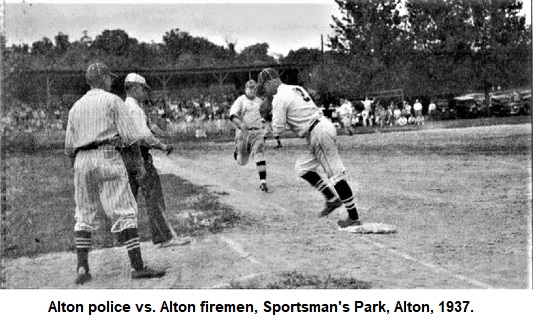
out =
column 376, row 228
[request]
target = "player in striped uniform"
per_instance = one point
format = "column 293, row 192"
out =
column 162, row 234
column 250, row 134
column 293, row 106
column 98, row 123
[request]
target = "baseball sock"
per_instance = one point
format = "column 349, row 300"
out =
column 262, row 170
column 83, row 244
column 317, row 182
column 131, row 236
column 277, row 139
column 346, row 196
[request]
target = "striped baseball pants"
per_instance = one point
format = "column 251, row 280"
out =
column 100, row 177
column 322, row 151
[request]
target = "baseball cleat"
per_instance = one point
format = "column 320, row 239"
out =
column 330, row 207
column 82, row 277
column 263, row 187
column 348, row 222
column 278, row 146
column 146, row 272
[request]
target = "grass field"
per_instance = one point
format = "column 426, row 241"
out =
column 462, row 201
column 40, row 207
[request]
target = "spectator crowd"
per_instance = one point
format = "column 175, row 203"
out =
column 375, row 112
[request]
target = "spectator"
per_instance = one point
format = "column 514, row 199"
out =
column 408, row 108
column 397, row 114
column 418, row 108
column 432, row 108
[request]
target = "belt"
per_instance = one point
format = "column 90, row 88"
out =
column 253, row 128
column 313, row 125
column 93, row 146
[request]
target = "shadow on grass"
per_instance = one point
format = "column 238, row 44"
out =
column 39, row 213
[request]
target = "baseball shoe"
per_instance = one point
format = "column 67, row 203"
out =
column 278, row 146
column 263, row 187
column 348, row 222
column 146, row 272
column 330, row 207
column 175, row 242
column 82, row 277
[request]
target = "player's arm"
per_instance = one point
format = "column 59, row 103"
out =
column 279, row 116
column 234, row 113
column 148, row 137
column 69, row 142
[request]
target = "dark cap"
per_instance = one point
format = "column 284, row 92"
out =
column 264, row 76
column 96, row 70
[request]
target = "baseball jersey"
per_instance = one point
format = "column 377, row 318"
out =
column 293, row 106
column 367, row 104
column 248, row 111
column 139, row 118
column 417, row 106
column 345, row 110
column 104, row 118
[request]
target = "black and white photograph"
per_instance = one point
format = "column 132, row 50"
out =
column 301, row 145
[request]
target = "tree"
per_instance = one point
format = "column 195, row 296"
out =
column 256, row 54
column 303, row 56
column 370, row 33
column 114, row 42
column 470, row 45
column 198, row 50
column 62, row 42
column 42, row 47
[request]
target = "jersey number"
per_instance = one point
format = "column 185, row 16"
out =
column 302, row 92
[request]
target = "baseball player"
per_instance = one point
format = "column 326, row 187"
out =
column 292, row 105
column 98, row 123
column 250, row 133
column 162, row 234
column 346, row 112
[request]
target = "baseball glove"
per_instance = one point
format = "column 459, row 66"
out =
column 266, row 109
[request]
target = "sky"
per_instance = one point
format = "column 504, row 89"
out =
column 284, row 25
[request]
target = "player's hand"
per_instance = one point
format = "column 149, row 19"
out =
column 169, row 149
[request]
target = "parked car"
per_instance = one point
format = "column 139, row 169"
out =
column 509, row 104
column 470, row 105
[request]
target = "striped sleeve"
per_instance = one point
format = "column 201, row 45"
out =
column 69, row 138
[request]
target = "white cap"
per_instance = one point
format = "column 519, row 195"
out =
column 135, row 78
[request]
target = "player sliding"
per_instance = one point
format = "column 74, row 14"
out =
column 292, row 105
column 249, row 137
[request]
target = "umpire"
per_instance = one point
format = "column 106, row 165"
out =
column 98, row 124
column 148, row 179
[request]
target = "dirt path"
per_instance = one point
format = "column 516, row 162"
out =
column 439, row 214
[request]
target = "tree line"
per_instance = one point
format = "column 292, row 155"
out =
column 425, row 47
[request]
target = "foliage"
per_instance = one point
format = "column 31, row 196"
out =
column 436, row 48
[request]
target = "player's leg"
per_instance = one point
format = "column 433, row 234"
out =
column 154, row 199
column 306, row 166
column 120, row 205
column 326, row 151
column 258, row 155
column 243, row 148
column 86, row 199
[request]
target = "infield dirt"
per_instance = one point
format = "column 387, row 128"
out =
column 460, row 198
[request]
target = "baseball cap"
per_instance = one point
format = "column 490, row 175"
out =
column 251, row 83
column 264, row 76
column 136, row 78
column 96, row 70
